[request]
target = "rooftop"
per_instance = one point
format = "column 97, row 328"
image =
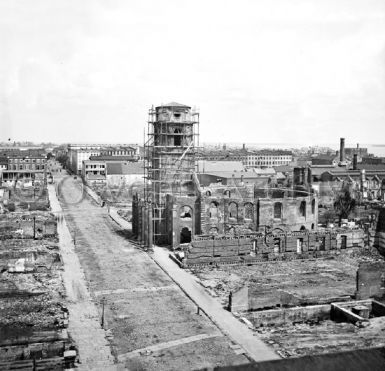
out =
column 124, row 168
column 271, row 152
column 112, row 158
column 236, row 174
column 215, row 166
column 173, row 104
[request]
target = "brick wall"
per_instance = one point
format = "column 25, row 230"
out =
column 371, row 280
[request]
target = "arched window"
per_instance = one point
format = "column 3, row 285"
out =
column 302, row 209
column 249, row 211
column 186, row 212
column 233, row 211
column 177, row 137
column 313, row 207
column 208, row 193
column 226, row 193
column 278, row 210
column 213, row 210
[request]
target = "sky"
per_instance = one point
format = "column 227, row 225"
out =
column 260, row 71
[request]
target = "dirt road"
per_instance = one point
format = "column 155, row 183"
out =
column 151, row 323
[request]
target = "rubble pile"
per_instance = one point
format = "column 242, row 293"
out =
column 36, row 225
column 33, row 314
column 26, row 197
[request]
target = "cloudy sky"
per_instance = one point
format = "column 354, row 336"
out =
column 298, row 71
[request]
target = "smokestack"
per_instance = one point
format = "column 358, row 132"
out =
column 363, row 179
column 355, row 161
column 342, row 149
column 243, row 146
column 363, row 175
column 358, row 145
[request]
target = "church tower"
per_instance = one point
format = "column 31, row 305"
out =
column 173, row 131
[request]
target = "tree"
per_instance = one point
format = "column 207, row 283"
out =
column 62, row 159
column 328, row 216
column 344, row 204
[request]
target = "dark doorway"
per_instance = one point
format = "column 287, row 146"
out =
column 322, row 244
column 185, row 235
column 343, row 242
column 177, row 137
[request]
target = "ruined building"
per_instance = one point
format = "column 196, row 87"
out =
column 171, row 186
column 175, row 207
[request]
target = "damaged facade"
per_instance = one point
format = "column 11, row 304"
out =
column 250, row 219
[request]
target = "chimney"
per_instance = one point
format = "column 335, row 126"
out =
column 244, row 146
column 355, row 161
column 342, row 149
column 358, row 145
column 363, row 179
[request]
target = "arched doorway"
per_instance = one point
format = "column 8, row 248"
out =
column 185, row 235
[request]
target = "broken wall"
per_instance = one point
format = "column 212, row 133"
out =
column 371, row 280
column 258, row 247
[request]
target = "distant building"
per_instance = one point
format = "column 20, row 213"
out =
column 261, row 158
column 268, row 158
column 125, row 174
column 78, row 153
column 94, row 172
column 366, row 184
column 205, row 166
column 23, row 165
column 371, row 160
column 360, row 151
column 119, row 151
column 232, row 178
column 325, row 160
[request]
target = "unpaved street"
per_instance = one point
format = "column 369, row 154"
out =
column 149, row 321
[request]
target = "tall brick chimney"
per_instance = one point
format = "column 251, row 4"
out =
column 355, row 161
column 342, row 149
